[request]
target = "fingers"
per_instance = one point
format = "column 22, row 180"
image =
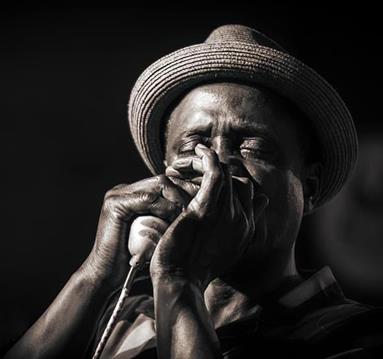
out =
column 176, row 195
column 253, row 204
column 244, row 189
column 189, row 187
column 212, row 182
column 156, row 195
column 124, row 207
column 213, row 177
column 260, row 224
column 188, row 169
column 154, row 223
column 189, row 165
column 244, row 186
column 158, row 184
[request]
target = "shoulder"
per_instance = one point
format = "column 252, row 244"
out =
column 351, row 326
column 343, row 330
column 321, row 323
column 314, row 320
column 349, row 330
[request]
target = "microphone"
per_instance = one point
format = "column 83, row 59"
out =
column 144, row 235
column 145, row 231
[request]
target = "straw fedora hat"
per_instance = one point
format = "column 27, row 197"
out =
column 239, row 53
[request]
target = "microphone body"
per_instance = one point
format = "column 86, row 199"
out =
column 145, row 232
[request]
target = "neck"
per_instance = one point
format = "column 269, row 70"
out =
column 231, row 297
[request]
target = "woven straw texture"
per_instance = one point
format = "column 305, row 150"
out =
column 235, row 52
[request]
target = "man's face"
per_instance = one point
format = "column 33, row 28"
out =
column 255, row 134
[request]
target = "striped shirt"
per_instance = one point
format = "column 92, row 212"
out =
column 313, row 320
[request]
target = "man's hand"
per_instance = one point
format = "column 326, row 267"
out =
column 67, row 327
column 156, row 196
column 205, row 240
column 215, row 229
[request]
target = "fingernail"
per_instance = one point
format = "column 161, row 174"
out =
column 170, row 171
column 197, row 180
column 182, row 162
column 200, row 150
column 200, row 145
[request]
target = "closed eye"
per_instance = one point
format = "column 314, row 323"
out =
column 257, row 148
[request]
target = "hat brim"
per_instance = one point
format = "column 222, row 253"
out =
column 171, row 76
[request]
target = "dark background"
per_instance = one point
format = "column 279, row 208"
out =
column 65, row 78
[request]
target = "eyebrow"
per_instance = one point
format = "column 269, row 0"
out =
column 253, row 128
column 245, row 130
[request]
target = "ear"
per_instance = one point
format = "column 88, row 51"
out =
column 165, row 163
column 311, row 182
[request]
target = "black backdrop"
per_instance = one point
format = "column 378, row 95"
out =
column 65, row 78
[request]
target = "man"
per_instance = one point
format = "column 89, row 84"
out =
column 245, row 140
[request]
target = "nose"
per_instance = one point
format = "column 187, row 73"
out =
column 227, row 154
column 222, row 146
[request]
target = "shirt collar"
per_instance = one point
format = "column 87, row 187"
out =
column 317, row 292
column 322, row 282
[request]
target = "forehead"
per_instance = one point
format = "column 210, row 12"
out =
column 226, row 97
column 231, row 106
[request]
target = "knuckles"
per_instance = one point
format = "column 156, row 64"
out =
column 119, row 187
column 109, row 203
column 161, row 180
column 112, row 208
column 121, row 201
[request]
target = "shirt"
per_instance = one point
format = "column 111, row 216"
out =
column 313, row 320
